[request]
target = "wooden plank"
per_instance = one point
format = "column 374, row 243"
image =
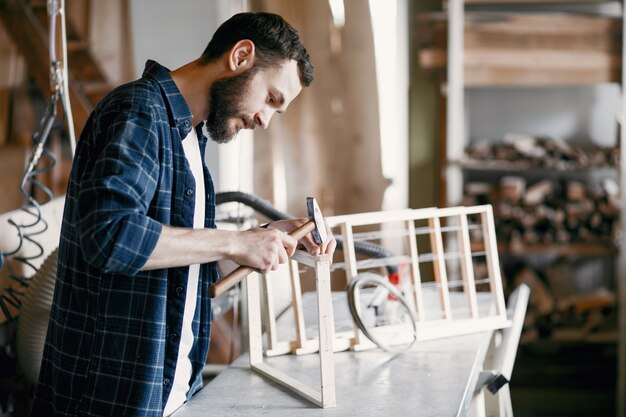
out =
column 534, row 1
column 269, row 313
column 359, row 219
column 541, row 59
column 493, row 262
column 416, row 279
column 255, row 336
column 568, row 28
column 296, row 297
column 288, row 382
column 523, row 77
column 498, row 67
column 349, row 256
column 348, row 252
column 526, row 59
column 467, row 266
column 503, row 48
column 441, row 277
column 326, row 329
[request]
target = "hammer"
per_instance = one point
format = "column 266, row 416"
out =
column 315, row 225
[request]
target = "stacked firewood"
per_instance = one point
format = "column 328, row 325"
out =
column 550, row 212
column 523, row 152
column 553, row 210
column 558, row 310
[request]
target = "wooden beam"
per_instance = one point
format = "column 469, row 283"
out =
column 31, row 38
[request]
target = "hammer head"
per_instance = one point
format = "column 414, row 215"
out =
column 315, row 215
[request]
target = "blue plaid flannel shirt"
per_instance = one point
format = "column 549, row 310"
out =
column 113, row 334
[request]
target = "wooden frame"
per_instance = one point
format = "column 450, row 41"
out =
column 326, row 396
column 447, row 322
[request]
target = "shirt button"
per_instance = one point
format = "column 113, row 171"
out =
column 166, row 382
column 189, row 192
column 186, row 123
column 180, row 290
column 173, row 336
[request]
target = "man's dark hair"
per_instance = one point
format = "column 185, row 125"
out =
column 275, row 41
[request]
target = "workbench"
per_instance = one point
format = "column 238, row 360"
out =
column 435, row 378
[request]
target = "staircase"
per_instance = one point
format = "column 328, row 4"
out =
column 27, row 23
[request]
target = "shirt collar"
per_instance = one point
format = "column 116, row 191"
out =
column 178, row 111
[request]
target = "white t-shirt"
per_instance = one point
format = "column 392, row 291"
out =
column 183, row 371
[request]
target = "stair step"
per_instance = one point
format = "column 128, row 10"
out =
column 83, row 66
column 96, row 90
column 77, row 44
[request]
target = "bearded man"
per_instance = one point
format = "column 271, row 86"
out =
column 130, row 322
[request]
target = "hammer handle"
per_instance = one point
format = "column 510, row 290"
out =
column 226, row 283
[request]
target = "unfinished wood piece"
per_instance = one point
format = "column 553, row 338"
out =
column 451, row 324
column 467, row 266
column 298, row 314
column 255, row 332
column 274, row 346
column 349, row 254
column 416, row 279
column 493, row 263
column 325, row 397
column 326, row 330
column 439, row 260
column 501, row 48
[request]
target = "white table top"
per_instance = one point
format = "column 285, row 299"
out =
column 435, row 378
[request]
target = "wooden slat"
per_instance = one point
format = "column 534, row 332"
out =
column 288, row 382
column 351, row 273
column 326, row 329
column 296, row 297
column 467, row 266
column 493, row 262
column 441, row 276
column 255, row 336
column 269, row 313
column 416, row 278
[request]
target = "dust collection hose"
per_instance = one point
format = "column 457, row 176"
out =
column 266, row 208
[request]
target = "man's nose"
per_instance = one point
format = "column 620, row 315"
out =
column 263, row 119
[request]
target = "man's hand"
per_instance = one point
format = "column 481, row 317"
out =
column 263, row 249
column 308, row 242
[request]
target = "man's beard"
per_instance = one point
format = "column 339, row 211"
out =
column 225, row 98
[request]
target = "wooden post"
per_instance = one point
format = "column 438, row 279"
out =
column 493, row 263
column 326, row 326
column 255, row 336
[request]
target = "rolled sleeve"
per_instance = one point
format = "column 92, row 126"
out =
column 116, row 234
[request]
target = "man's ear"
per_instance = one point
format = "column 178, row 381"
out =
column 241, row 56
